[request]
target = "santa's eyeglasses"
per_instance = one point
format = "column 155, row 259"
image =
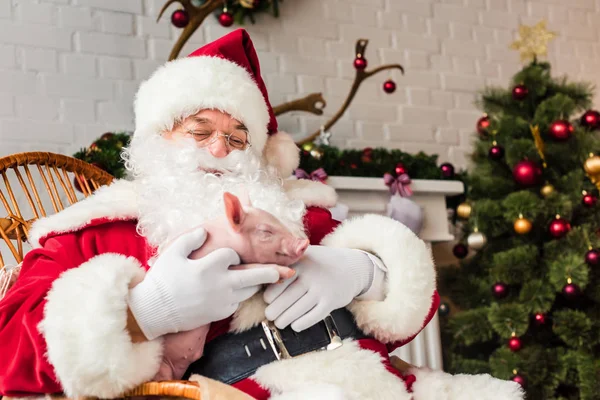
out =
column 205, row 138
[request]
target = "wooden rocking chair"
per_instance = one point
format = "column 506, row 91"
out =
column 36, row 184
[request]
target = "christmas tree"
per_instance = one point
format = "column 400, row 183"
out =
column 524, row 302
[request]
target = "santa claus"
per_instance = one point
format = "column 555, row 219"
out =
column 110, row 276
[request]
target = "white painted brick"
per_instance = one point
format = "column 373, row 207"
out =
column 417, row 59
column 377, row 37
column 483, row 34
column 391, row 19
column 5, row 9
column 439, row 29
column 419, row 97
column 113, row 45
column 159, row 49
column 580, row 32
column 422, row 8
column 36, row 35
column 311, row 29
column 371, row 130
column 442, row 99
column 463, row 119
column 289, row 123
column 142, row 69
column 310, row 83
column 269, row 62
column 56, row 1
column 461, row 48
column 390, row 56
column 481, row 4
column 338, row 87
column 126, row 90
column 36, row 13
column 416, row 24
column 498, row 19
column 112, row 67
column 79, row 64
column 504, row 36
column 465, row 101
column 464, row 66
column 76, row 17
column 462, row 83
column 441, row 63
column 29, row 131
column 37, row 108
column 374, row 112
column 7, row 56
column 129, row 6
column 312, row 47
column 538, row 10
column 261, row 41
column 585, row 50
column 501, row 53
column 78, row 111
column 410, row 133
column 285, row 84
column 578, row 17
column 416, row 115
column 498, row 5
column 113, row 22
column 487, row 69
column 77, row 87
column 337, row 11
column 447, row 136
column 289, row 44
column 425, row 147
column 7, row 106
column 417, row 42
column 461, row 31
column 18, row 82
column 304, row 65
column 366, row 15
column 340, row 50
column 452, row 13
column 152, row 7
column 423, row 79
column 558, row 14
column 112, row 112
column 147, row 26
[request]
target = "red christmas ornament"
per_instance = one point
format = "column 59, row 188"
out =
column 367, row 151
column 519, row 379
column 514, row 344
column 400, row 169
column 447, row 170
column 107, row 135
column 561, row 130
column 360, row 63
column 226, row 19
column 527, row 173
column 353, row 166
column 460, row 250
column 591, row 119
column 592, row 257
column 180, row 18
column 500, row 290
column 571, row 291
column 589, row 200
column 496, row 152
column 389, row 86
column 520, row 92
column 483, row 124
column 559, row 227
column 539, row 318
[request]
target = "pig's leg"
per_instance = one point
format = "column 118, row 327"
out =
column 179, row 351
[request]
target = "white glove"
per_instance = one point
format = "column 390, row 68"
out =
column 179, row 294
column 326, row 279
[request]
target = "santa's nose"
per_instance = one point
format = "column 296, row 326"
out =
column 219, row 148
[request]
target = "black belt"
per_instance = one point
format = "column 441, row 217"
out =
column 232, row 357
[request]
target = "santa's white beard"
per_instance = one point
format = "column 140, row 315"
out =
column 174, row 194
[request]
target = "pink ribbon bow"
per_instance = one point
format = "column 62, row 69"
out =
column 316, row 175
column 398, row 185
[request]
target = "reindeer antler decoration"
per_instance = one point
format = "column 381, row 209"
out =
column 196, row 15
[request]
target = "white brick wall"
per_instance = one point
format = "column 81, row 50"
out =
column 69, row 69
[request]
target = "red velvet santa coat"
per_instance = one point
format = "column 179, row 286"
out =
column 63, row 323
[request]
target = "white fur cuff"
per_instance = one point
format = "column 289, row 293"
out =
column 410, row 282
column 438, row 385
column 84, row 326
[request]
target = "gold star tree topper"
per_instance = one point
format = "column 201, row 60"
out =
column 533, row 40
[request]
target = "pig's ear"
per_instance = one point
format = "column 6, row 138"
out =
column 234, row 211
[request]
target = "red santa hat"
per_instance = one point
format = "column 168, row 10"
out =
column 223, row 75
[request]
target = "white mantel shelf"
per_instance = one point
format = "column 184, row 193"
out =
column 371, row 195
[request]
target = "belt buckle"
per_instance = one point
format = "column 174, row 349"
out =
column 280, row 350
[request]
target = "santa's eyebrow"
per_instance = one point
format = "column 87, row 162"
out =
column 202, row 120
column 242, row 127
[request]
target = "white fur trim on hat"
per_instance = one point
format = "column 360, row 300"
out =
column 282, row 153
column 184, row 86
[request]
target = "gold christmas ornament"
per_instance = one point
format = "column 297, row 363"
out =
column 463, row 210
column 547, row 190
column 247, row 3
column 592, row 169
column 316, row 153
column 476, row 240
column 522, row 225
column 539, row 143
column 308, row 146
column 533, row 41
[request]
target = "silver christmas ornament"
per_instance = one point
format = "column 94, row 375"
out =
column 323, row 138
column 476, row 240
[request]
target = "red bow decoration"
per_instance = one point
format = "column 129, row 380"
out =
column 317, row 175
column 398, row 185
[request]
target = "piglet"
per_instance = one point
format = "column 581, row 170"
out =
column 259, row 238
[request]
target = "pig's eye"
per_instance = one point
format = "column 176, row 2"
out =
column 264, row 234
